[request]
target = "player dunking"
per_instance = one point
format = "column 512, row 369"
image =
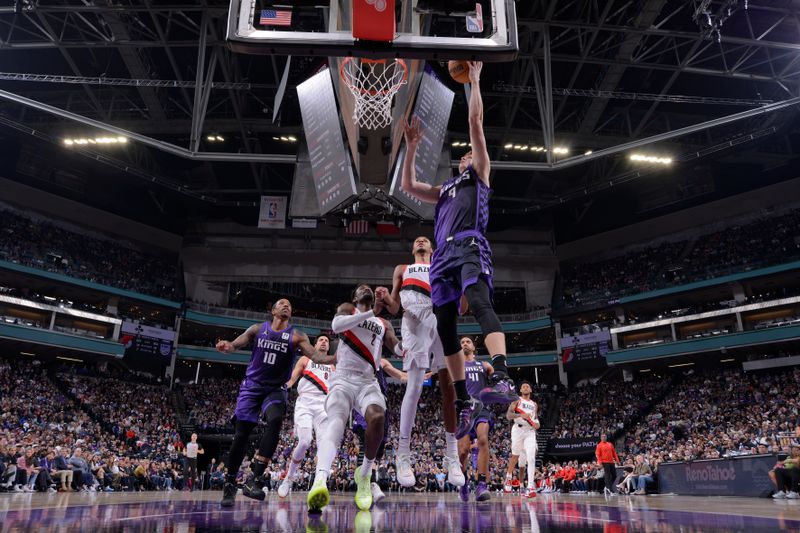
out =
column 478, row 374
column 462, row 262
column 411, row 289
column 263, row 393
column 524, row 413
column 309, row 409
column 354, row 384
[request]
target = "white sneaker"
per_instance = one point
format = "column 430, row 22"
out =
column 51, row 490
column 285, row 487
column 17, row 488
column 92, row 489
column 377, row 493
column 405, row 474
column 26, row 488
column 780, row 495
column 792, row 495
column 454, row 473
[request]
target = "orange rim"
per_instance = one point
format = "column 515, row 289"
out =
column 348, row 79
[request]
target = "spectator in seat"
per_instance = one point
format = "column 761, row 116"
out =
column 786, row 476
column 27, row 470
column 80, row 470
column 217, row 478
column 62, row 471
column 643, row 473
column 46, row 467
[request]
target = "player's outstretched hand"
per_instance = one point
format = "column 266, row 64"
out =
column 224, row 347
column 381, row 293
column 475, row 68
column 413, row 132
column 378, row 307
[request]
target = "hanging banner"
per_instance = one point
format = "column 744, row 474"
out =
column 272, row 214
column 577, row 447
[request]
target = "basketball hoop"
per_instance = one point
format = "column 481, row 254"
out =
column 373, row 83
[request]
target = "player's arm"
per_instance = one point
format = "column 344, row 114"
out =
column 480, row 154
column 200, row 450
column 297, row 371
column 392, row 301
column 390, row 340
column 511, row 413
column 391, row 371
column 489, row 369
column 301, row 341
column 239, row 342
column 347, row 318
column 408, row 179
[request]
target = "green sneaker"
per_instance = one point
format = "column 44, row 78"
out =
column 363, row 522
column 318, row 497
column 364, row 490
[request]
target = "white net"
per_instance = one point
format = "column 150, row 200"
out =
column 373, row 84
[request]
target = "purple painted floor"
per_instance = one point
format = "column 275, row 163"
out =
column 200, row 511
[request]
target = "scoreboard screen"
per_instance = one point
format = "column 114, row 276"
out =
column 432, row 106
column 331, row 168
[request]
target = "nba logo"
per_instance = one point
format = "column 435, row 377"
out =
column 286, row 336
column 475, row 22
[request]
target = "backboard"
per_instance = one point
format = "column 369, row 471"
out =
column 324, row 28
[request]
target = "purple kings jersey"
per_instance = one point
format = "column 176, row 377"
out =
column 463, row 206
column 476, row 377
column 273, row 356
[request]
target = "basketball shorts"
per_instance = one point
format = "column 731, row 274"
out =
column 484, row 417
column 348, row 391
column 421, row 341
column 254, row 399
column 523, row 443
column 456, row 265
column 309, row 412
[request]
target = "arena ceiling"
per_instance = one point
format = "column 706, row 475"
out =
column 591, row 76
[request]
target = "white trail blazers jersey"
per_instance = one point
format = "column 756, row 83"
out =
column 527, row 408
column 314, row 379
column 415, row 291
column 360, row 347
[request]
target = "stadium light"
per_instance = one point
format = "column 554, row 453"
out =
column 82, row 141
column 558, row 150
column 641, row 158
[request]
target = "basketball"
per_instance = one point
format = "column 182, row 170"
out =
column 459, row 70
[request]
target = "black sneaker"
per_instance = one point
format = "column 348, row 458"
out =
column 501, row 390
column 254, row 489
column 229, row 491
column 467, row 412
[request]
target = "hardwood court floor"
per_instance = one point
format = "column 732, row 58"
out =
column 200, row 511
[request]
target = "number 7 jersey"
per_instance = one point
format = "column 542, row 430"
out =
column 360, row 347
column 273, row 356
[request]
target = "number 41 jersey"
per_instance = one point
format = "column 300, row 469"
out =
column 273, row 356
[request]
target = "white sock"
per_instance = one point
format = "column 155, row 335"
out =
column 292, row 469
column 408, row 409
column 329, row 446
column 366, row 466
column 451, row 449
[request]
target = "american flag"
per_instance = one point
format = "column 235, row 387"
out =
column 357, row 227
column 275, row 17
